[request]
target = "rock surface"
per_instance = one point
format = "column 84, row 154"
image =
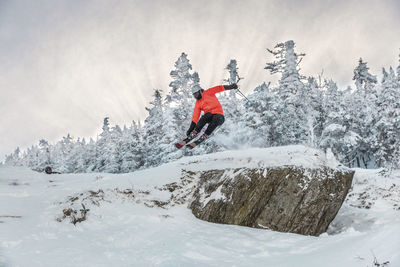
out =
column 287, row 198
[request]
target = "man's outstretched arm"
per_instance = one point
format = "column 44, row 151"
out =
column 231, row 86
column 221, row 88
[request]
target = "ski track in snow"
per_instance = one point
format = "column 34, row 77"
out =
column 125, row 231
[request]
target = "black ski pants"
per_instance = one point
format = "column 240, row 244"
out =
column 213, row 120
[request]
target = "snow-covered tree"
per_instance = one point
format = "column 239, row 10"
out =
column 363, row 112
column 337, row 134
column 44, row 155
column 115, row 158
column 365, row 81
column 133, row 149
column 61, row 154
column 179, row 101
column 233, row 77
column 104, row 147
column 90, row 156
column 311, row 99
column 14, row 159
column 182, row 80
column 156, row 132
column 291, row 122
column 232, row 129
column 360, row 126
column 286, row 63
column 74, row 161
column 386, row 134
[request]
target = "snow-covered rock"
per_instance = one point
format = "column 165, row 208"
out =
column 287, row 199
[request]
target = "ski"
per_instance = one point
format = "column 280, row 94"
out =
column 182, row 143
column 197, row 142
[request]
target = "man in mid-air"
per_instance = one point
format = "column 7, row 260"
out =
column 207, row 102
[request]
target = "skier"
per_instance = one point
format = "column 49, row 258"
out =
column 207, row 102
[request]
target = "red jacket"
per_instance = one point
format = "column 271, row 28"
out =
column 208, row 103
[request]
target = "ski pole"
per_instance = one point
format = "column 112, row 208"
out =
column 240, row 92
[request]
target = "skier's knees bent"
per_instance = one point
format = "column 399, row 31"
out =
column 219, row 119
column 206, row 118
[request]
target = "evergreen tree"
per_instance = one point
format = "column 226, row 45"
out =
column 156, row 132
column 90, row 156
column 104, row 147
column 291, row 122
column 364, row 112
column 398, row 71
column 259, row 117
column 232, row 129
column 44, row 155
column 337, row 134
column 14, row 159
column 365, row 81
column 74, row 160
column 133, row 148
column 311, row 101
column 61, row 154
column 178, row 107
column 81, row 154
column 387, row 128
column 233, row 77
column 115, row 148
column 179, row 102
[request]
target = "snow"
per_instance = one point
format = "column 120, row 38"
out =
column 216, row 195
column 294, row 155
column 126, row 231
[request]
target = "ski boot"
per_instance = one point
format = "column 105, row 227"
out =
column 198, row 141
column 182, row 143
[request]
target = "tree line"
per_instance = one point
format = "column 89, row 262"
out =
column 361, row 126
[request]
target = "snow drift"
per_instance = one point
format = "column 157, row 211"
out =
column 142, row 218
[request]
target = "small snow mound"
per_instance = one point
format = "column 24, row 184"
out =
column 294, row 155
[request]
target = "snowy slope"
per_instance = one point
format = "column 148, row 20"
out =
column 126, row 227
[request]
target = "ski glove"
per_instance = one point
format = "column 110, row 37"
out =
column 231, row 86
column 191, row 128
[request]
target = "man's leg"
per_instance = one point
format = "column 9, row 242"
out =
column 216, row 120
column 206, row 118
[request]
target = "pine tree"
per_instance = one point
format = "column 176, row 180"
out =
column 259, row 117
column 62, row 153
column 104, row 147
column 179, row 102
column 364, row 112
column 311, row 99
column 90, row 156
column 387, row 127
column 178, row 107
column 156, row 132
column 231, row 131
column 365, row 81
column 44, row 155
column 73, row 160
column 336, row 134
column 233, row 77
column 81, row 154
column 14, row 159
column 291, row 122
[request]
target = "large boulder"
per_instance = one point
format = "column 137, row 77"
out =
column 285, row 198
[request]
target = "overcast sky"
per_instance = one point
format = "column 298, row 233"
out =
column 65, row 65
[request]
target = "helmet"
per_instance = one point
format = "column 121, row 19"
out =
column 195, row 88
